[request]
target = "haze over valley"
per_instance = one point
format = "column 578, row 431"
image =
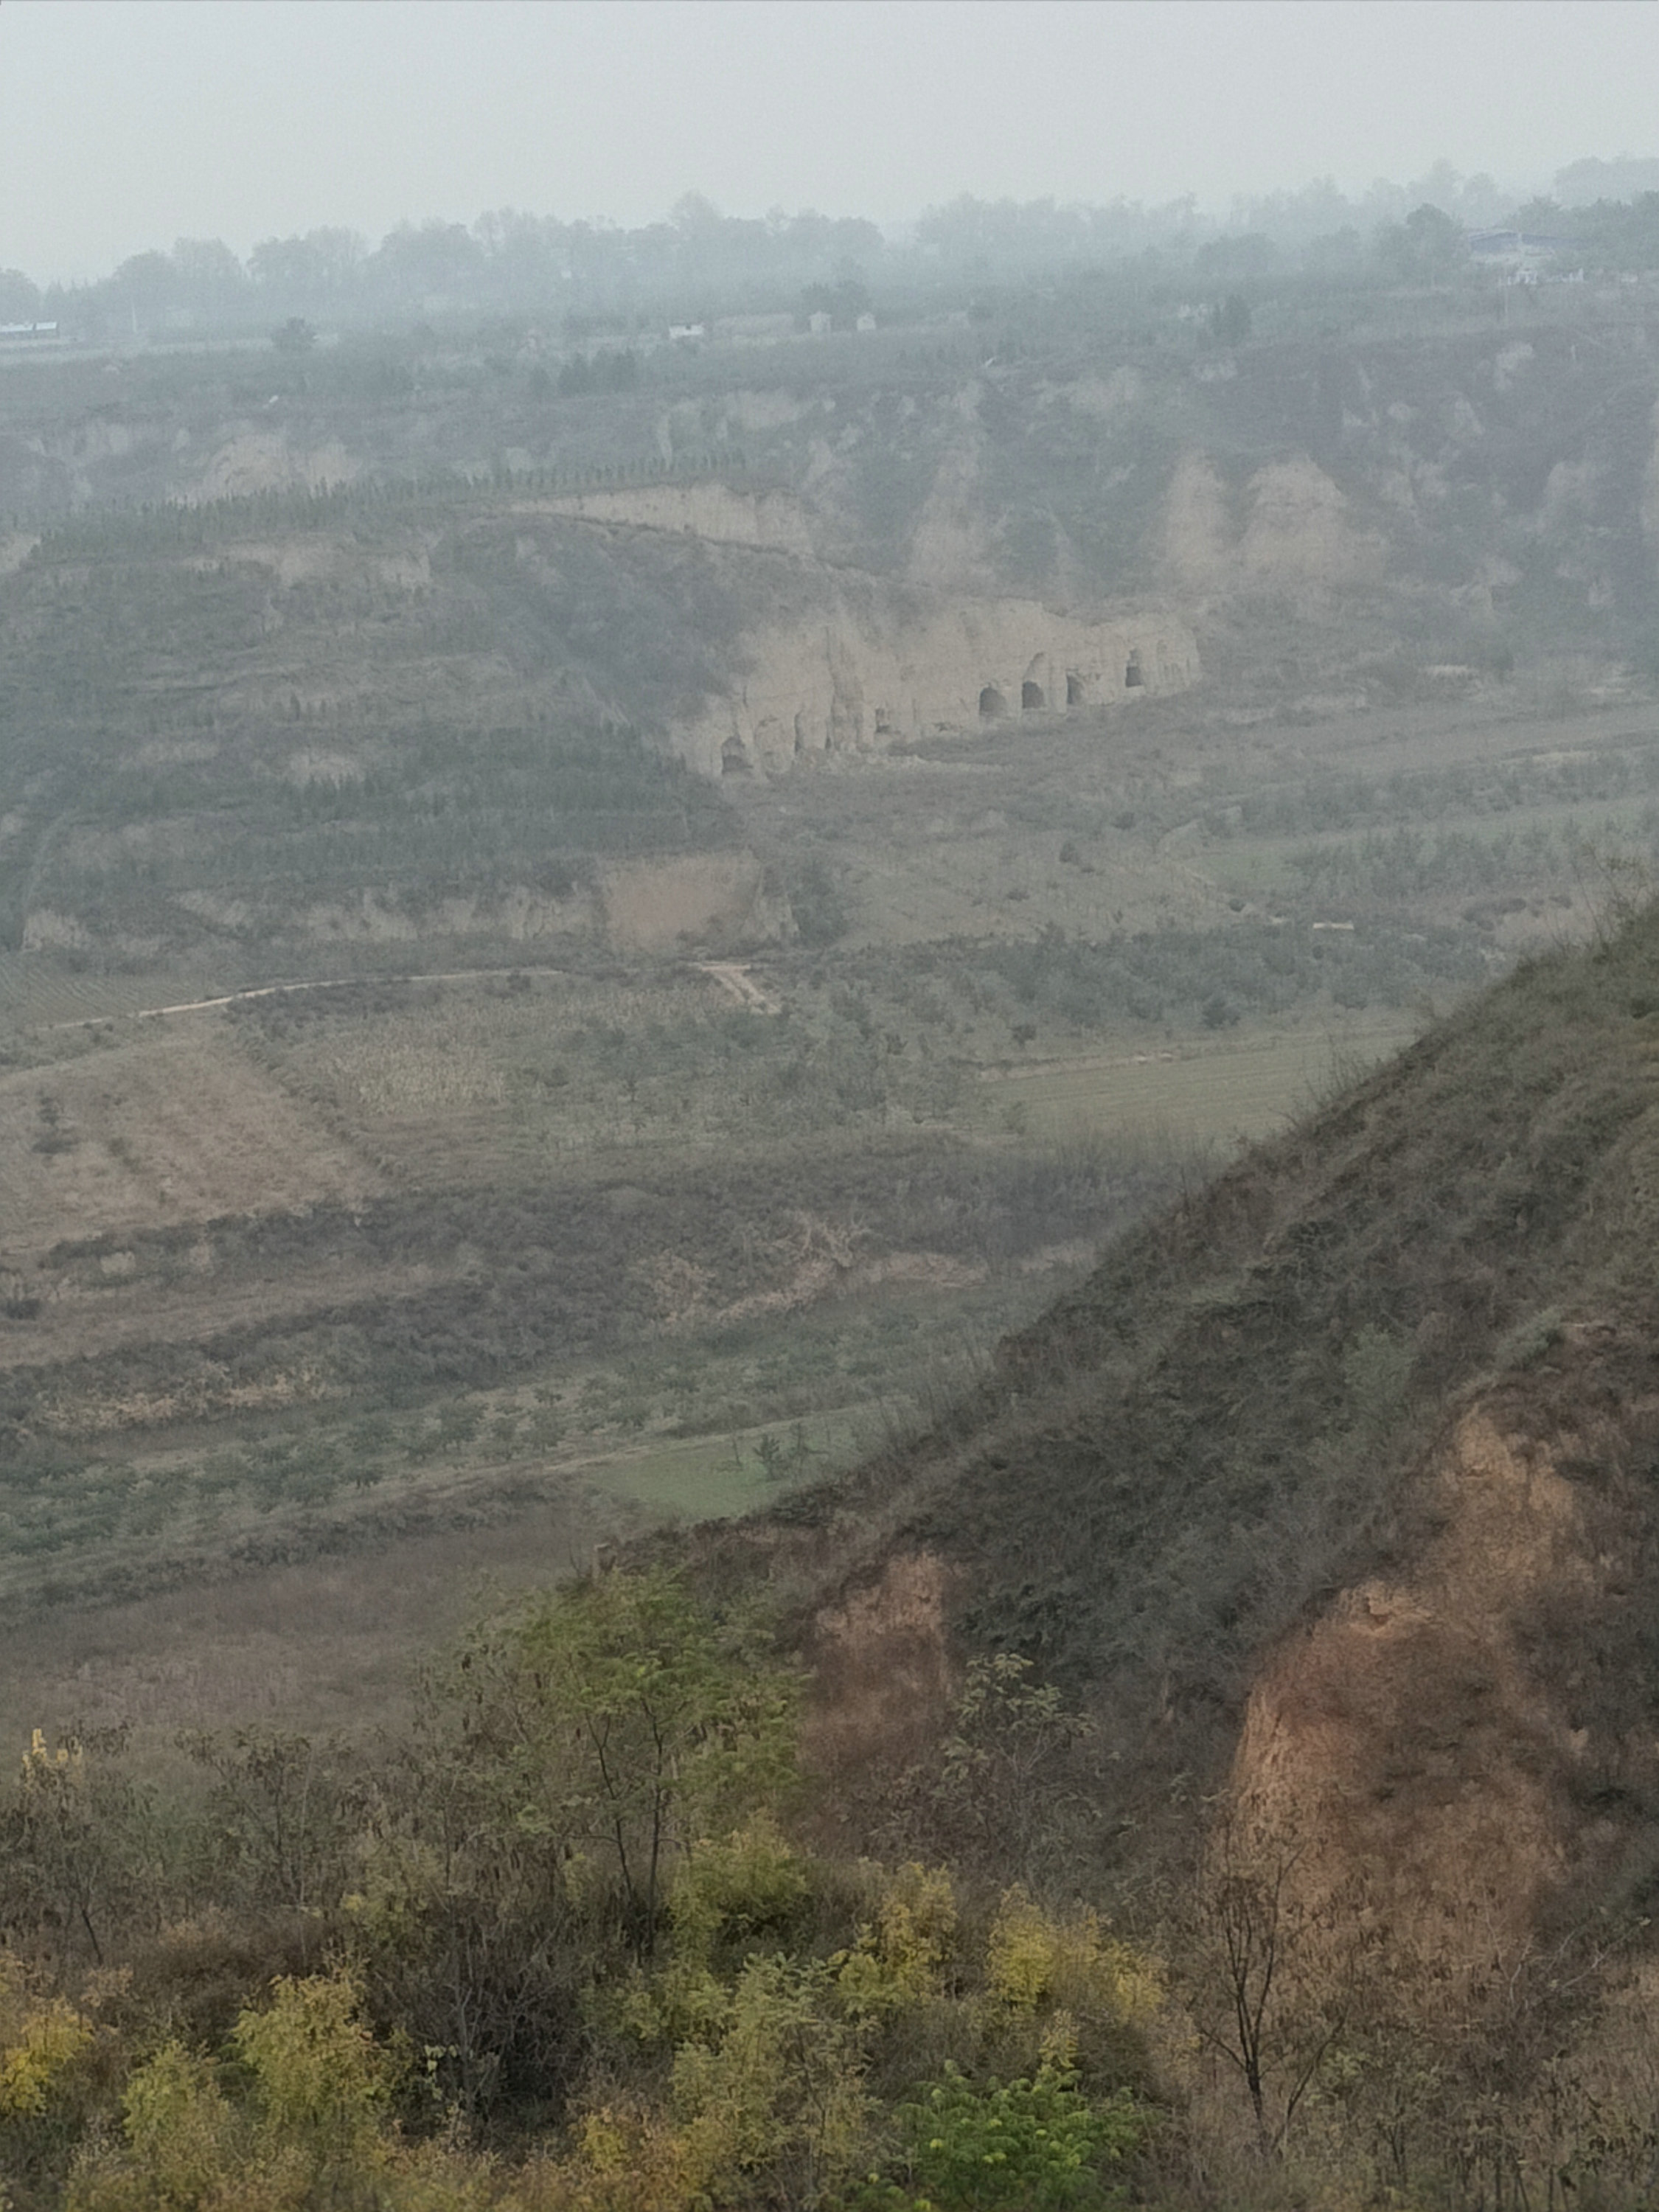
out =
column 827, row 1156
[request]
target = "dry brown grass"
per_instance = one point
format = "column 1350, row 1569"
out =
column 326, row 1644
column 170, row 1126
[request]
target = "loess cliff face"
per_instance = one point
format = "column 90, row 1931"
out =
column 1459, row 1749
column 1291, row 532
column 1498, row 486
column 873, row 670
column 838, row 563
column 833, row 660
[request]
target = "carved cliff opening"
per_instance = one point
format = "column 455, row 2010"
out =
column 855, row 675
column 734, row 757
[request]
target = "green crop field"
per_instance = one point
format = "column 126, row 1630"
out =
column 1215, row 1094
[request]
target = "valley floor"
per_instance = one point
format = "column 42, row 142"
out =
column 441, row 1260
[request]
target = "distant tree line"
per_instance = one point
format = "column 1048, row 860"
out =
column 1611, row 234
column 506, row 261
column 698, row 258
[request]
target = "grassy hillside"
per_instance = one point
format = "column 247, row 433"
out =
column 1487, row 453
column 413, row 1085
column 1289, row 1585
column 439, row 1136
column 1259, row 1403
column 230, row 735
column 499, row 1174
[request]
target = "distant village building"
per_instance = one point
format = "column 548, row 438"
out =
column 23, row 331
column 818, row 323
column 865, row 322
column 685, row 333
column 1521, row 256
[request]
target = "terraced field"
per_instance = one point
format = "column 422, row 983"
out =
column 427, row 1110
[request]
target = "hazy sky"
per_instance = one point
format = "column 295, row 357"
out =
column 128, row 124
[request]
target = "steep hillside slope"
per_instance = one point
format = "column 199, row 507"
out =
column 261, row 731
column 1341, row 1480
column 1478, row 485
column 444, row 717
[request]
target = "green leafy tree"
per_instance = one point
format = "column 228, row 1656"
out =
column 770, row 2096
column 280, row 1814
column 1427, row 248
column 569, row 1756
column 301, row 2121
column 320, row 2080
column 622, row 1720
column 76, row 1841
column 1035, row 2145
column 180, row 2144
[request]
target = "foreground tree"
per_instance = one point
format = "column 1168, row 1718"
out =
column 568, row 1756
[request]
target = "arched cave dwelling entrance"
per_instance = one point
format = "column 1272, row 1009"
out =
column 1132, row 678
column 991, row 703
column 1030, row 697
column 1077, row 693
column 734, row 757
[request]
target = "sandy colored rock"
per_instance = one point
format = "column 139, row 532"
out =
column 951, row 547
column 710, row 899
column 518, row 914
column 881, row 1668
column 1413, row 1757
column 255, row 460
column 1196, row 549
column 1300, row 535
column 871, row 668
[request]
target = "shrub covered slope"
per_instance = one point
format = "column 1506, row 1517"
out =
column 1267, row 1407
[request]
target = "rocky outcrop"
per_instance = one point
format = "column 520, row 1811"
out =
column 1294, row 533
column 870, row 670
column 952, row 547
column 1448, row 1747
column 712, row 901
column 254, row 459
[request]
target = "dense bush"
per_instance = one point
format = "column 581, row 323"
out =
column 563, row 1913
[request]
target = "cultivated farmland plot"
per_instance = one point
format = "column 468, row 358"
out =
column 427, row 1107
